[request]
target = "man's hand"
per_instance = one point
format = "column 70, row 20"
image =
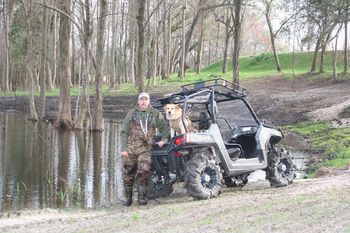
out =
column 124, row 154
column 160, row 143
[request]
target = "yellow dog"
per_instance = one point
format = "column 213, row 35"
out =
column 173, row 114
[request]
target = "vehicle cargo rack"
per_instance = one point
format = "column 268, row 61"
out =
column 212, row 83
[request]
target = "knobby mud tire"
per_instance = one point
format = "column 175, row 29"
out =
column 203, row 176
column 280, row 168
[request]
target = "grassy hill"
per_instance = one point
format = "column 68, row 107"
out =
column 264, row 64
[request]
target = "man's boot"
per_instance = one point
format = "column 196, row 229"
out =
column 128, row 195
column 142, row 198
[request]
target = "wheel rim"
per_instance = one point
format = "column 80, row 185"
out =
column 284, row 168
column 209, row 178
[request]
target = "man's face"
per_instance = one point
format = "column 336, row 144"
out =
column 143, row 103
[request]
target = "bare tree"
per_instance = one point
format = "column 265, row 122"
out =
column 237, row 15
column 43, row 63
column 227, row 20
column 7, row 19
column 64, row 109
column 267, row 13
column 346, row 21
column 132, row 8
column 166, row 38
column 140, row 44
column 200, row 46
column 183, row 43
column 97, row 122
column 85, row 35
column 28, row 8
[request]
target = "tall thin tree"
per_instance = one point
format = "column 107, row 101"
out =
column 64, row 108
column 140, row 44
column 97, row 122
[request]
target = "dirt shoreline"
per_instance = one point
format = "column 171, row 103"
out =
column 311, row 205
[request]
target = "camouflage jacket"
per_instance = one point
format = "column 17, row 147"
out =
column 135, row 120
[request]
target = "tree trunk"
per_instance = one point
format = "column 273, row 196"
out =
column 140, row 45
column 83, row 99
column 29, row 58
column 43, row 63
column 97, row 122
column 272, row 36
column 114, row 42
column 238, row 18
column 7, row 15
column 346, row 56
column 51, row 79
column 131, row 9
column 183, row 44
column 65, row 116
column 165, row 53
column 335, row 73
column 228, row 32
column 224, row 63
column 314, row 60
column 323, row 51
column 216, row 55
column 200, row 47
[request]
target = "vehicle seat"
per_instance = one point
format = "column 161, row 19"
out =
column 234, row 150
column 204, row 121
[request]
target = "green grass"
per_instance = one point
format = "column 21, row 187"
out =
column 334, row 143
column 250, row 67
column 264, row 64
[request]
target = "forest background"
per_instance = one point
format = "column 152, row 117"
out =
column 96, row 47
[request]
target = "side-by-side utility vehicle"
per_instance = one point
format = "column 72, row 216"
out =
column 229, row 143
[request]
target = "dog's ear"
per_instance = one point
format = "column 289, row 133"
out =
column 177, row 107
column 165, row 107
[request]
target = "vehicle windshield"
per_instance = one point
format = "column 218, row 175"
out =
column 236, row 112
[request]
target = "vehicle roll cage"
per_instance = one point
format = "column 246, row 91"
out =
column 207, row 92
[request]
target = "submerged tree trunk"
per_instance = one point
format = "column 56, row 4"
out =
column 27, row 4
column 64, row 114
column 43, row 63
column 83, row 99
column 97, row 122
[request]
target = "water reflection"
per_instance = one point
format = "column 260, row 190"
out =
column 42, row 167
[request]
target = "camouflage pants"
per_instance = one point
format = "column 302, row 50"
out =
column 138, row 163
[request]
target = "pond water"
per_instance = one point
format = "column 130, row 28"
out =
column 42, row 167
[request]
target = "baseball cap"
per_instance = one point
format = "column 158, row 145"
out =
column 143, row 94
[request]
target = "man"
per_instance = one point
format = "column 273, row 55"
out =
column 136, row 136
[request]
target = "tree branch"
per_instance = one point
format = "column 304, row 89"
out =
column 61, row 12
